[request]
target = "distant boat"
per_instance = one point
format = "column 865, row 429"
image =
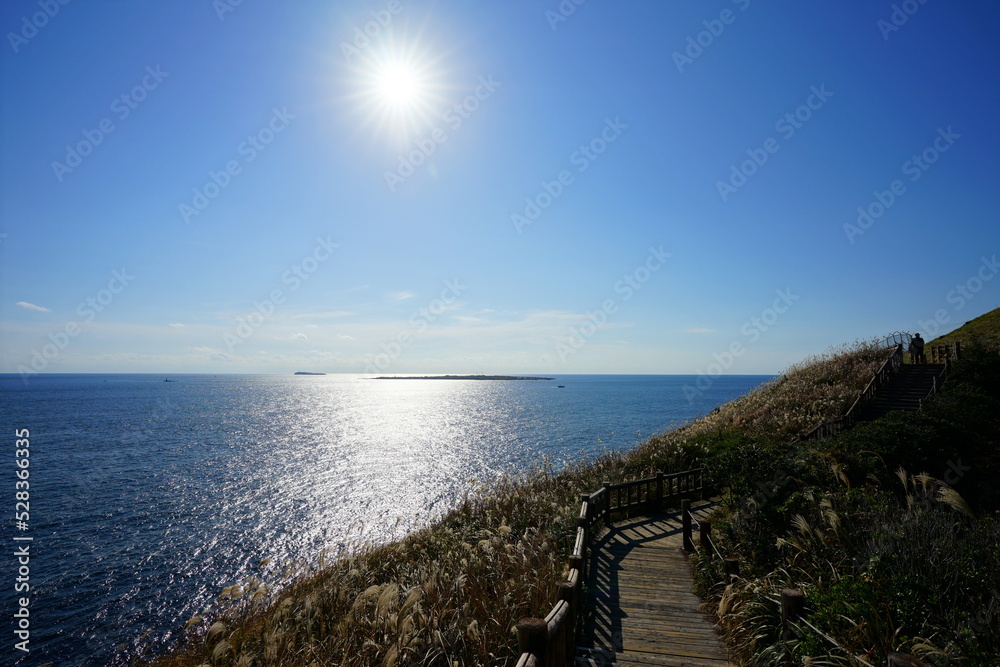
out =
column 167, row 380
column 560, row 386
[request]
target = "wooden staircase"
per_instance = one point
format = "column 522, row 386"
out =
column 904, row 391
column 895, row 386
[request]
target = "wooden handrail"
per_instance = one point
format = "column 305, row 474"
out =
column 527, row 660
column 943, row 353
column 550, row 641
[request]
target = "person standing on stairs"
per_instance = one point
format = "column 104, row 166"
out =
column 917, row 350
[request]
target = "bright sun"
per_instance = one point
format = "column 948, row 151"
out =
column 398, row 85
column 397, row 90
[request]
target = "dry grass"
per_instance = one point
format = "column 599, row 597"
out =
column 450, row 594
column 817, row 389
column 917, row 575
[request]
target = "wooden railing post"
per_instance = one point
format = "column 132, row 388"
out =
column 792, row 606
column 686, row 524
column 532, row 636
column 554, row 641
column 705, row 535
column 579, row 564
column 659, row 490
column 566, row 591
column 607, row 502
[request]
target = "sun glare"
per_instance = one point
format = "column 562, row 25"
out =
column 398, row 85
column 397, row 90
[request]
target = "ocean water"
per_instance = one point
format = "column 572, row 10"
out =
column 148, row 497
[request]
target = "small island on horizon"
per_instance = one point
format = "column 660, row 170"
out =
column 308, row 373
column 460, row 377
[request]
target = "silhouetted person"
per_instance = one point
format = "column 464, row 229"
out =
column 917, row 350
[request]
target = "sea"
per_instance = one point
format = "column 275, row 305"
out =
column 146, row 498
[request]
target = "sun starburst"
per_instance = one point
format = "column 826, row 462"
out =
column 397, row 90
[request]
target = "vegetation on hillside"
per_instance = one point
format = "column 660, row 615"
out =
column 891, row 530
column 984, row 329
column 835, row 518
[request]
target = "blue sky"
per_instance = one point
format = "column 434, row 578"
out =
column 633, row 187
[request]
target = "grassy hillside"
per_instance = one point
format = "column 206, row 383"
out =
column 985, row 328
column 892, row 530
column 890, row 558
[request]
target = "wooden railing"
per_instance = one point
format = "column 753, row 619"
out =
column 849, row 418
column 550, row 641
column 942, row 354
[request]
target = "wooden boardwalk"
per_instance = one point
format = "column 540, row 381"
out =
column 641, row 607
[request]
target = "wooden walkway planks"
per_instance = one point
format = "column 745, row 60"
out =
column 642, row 611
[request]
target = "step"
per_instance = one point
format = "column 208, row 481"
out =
column 632, row 659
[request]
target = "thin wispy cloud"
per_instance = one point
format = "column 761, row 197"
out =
column 177, row 325
column 400, row 296
column 324, row 315
column 469, row 319
column 699, row 330
column 31, row 306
